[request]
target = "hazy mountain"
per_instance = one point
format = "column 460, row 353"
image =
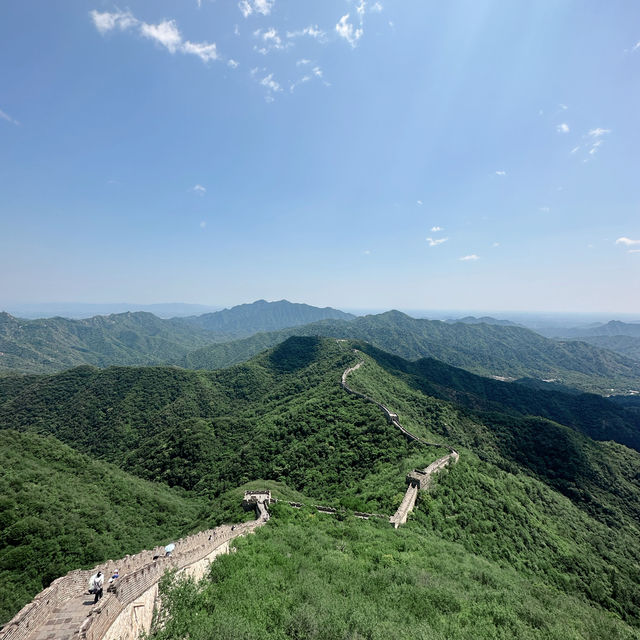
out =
column 612, row 328
column 53, row 344
column 482, row 320
column 140, row 338
column 247, row 319
column 87, row 310
column 504, row 351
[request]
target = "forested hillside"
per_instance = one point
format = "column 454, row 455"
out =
column 505, row 351
column 533, row 500
column 60, row 510
column 53, row 344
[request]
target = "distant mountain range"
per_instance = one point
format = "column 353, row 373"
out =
column 621, row 337
column 216, row 340
column 487, row 349
column 247, row 319
column 87, row 310
column 140, row 338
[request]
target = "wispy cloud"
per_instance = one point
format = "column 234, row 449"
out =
column 302, row 62
column 376, row 7
column 8, row 118
column 270, row 39
column 107, row 21
column 636, row 46
column 627, row 242
column 248, row 7
column 471, row 256
column 312, row 31
column 501, row 173
column 545, row 209
column 199, row 189
column 203, row 224
column 598, row 132
column 434, row 242
column 436, row 229
column 419, row 202
column 563, row 128
column 165, row 33
column 347, row 31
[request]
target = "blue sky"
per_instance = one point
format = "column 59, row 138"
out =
column 416, row 154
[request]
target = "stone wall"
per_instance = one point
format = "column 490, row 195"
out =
column 138, row 573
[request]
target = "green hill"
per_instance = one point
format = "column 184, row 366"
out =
column 485, row 349
column 61, row 510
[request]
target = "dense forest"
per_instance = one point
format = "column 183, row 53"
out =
column 533, row 492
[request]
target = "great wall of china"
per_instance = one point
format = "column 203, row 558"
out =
column 418, row 479
column 64, row 610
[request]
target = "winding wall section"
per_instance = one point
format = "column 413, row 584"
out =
column 415, row 482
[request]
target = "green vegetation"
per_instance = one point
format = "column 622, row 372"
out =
column 532, row 534
column 61, row 510
column 311, row 576
column 484, row 349
column 53, row 344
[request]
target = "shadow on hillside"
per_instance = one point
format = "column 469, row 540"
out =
column 295, row 353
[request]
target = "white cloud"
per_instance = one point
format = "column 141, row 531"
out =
column 563, row 106
column 501, row 173
column 366, row 252
column 598, row 132
column 8, row 118
column 203, row 224
column 419, row 202
column 204, row 51
column 495, row 244
column 376, row 7
column 199, row 189
column 434, row 242
column 636, row 46
column 436, row 229
column 633, row 251
column 628, row 242
column 347, row 31
column 563, row 128
column 271, row 85
column 302, row 61
column 271, row 40
column 234, row 64
column 107, row 21
column 471, row 256
column 575, row 149
column 545, row 209
column 313, row 31
column 165, row 33
column 247, row 7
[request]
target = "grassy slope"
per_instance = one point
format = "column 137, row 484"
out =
column 312, row 576
column 481, row 348
column 61, row 510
